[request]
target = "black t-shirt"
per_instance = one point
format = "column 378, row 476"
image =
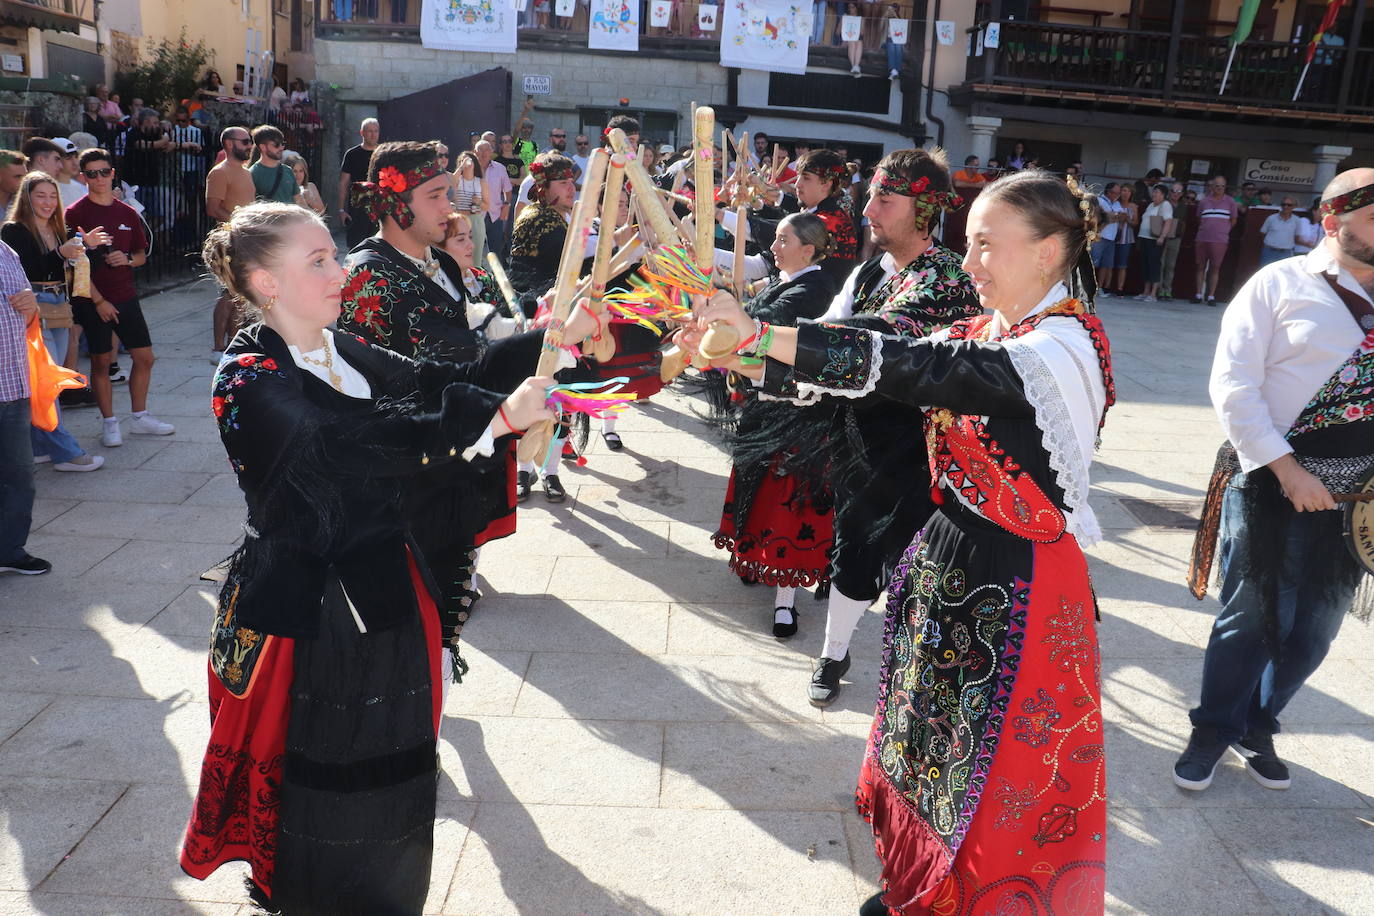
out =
column 141, row 163
column 356, row 162
column 514, row 165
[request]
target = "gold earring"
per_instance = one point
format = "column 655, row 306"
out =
column 271, row 301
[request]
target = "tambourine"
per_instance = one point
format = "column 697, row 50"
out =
column 1359, row 520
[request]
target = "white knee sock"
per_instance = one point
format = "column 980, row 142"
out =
column 527, row 466
column 785, row 596
column 555, row 458
column 842, row 615
column 608, row 424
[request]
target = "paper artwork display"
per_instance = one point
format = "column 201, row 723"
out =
column 992, row 35
column 897, row 30
column 660, row 13
column 564, row 8
column 944, row 32
column 771, row 35
column 851, row 28
column 706, row 17
column 468, row 25
column 614, row 25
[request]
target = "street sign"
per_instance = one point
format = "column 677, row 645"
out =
column 538, row 85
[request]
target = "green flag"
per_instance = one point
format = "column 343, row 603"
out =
column 1245, row 21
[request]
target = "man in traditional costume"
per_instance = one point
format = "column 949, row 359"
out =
column 405, row 293
column 882, row 497
column 1292, row 384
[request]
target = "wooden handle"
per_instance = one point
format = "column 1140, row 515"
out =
column 737, row 268
column 646, row 192
column 536, row 438
column 498, row 273
column 604, row 348
column 704, row 178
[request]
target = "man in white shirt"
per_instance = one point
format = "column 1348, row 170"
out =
column 1280, row 231
column 498, row 195
column 70, row 187
column 1289, row 383
column 1104, row 249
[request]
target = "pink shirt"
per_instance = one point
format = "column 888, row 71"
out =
column 1214, row 215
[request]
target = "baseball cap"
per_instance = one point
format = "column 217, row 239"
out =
column 65, row 145
column 667, row 149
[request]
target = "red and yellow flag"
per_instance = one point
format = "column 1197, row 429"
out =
column 1333, row 9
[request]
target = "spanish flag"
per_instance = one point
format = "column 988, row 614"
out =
column 1333, row 9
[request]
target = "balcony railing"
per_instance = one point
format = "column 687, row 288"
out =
column 1158, row 66
column 49, row 13
column 542, row 27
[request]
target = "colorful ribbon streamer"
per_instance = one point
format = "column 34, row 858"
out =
column 596, row 399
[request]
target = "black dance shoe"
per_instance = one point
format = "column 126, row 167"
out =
column 613, row 441
column 523, row 481
column 553, row 489
column 784, row 628
column 825, row 681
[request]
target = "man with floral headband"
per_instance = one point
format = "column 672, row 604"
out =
column 913, row 289
column 1292, row 383
column 405, row 293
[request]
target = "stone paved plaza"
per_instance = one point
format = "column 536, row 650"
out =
column 630, row 740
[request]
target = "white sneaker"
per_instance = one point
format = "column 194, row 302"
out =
column 892, row 74
column 149, row 425
column 41, row 459
column 80, row 463
column 110, row 436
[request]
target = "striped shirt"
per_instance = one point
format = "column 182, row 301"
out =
column 14, row 359
column 1214, row 218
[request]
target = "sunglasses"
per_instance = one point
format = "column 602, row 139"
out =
column 583, row 142
column 560, row 136
column 69, row 155
column 98, row 173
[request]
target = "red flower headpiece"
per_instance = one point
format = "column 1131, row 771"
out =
column 544, row 171
column 382, row 197
column 928, row 203
column 1348, row 203
column 828, row 172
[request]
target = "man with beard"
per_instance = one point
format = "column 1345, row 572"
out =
column 405, row 293
column 228, row 187
column 1291, row 383
column 881, row 498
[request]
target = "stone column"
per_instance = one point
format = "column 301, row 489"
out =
column 1159, row 143
column 983, row 131
column 1328, row 158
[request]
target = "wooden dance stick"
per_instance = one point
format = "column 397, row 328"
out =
column 737, row 268
column 720, row 338
column 498, row 273
column 603, row 349
column 537, row 438
column 645, row 191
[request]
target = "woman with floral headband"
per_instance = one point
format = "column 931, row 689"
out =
column 985, row 780
column 822, row 178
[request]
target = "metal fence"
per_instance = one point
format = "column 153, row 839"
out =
column 169, row 185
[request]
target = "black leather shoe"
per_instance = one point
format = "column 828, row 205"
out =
column 874, row 906
column 825, row 681
column 784, row 630
column 523, row 481
column 613, row 441
column 553, row 489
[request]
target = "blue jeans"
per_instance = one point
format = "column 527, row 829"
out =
column 894, row 55
column 16, row 479
column 59, row 445
column 1270, row 255
column 817, row 21
column 1243, row 690
column 496, row 235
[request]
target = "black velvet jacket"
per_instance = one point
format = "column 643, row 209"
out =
column 323, row 473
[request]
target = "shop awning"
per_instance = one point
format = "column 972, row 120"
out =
column 52, row 15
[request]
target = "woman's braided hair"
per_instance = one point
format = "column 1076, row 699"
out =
column 250, row 239
column 1052, row 206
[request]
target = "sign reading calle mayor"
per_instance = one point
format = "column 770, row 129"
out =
column 1279, row 171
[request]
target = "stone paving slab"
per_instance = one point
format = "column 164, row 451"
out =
column 631, row 738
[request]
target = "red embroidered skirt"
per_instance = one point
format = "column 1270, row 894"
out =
column 237, row 808
column 1037, row 840
column 783, row 541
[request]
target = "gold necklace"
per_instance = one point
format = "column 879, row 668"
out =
column 328, row 365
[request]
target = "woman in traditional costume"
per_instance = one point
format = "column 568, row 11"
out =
column 326, row 663
column 777, row 531
column 984, row 777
